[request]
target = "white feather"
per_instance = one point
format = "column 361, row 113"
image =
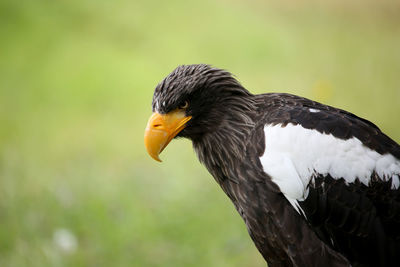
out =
column 293, row 154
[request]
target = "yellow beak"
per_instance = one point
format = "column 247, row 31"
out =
column 161, row 129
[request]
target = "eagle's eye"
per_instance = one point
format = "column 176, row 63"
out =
column 184, row 105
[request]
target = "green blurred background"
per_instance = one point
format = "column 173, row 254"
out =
column 76, row 82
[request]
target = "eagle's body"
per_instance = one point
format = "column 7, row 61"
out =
column 315, row 185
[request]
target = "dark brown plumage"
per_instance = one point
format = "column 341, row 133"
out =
column 339, row 221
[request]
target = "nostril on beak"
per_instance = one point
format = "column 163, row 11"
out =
column 157, row 125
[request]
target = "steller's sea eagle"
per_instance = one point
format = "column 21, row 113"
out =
column 315, row 185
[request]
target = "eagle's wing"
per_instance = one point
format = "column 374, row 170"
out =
column 340, row 172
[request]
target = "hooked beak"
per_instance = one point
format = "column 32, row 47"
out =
column 161, row 129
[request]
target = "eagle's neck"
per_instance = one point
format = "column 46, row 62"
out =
column 220, row 150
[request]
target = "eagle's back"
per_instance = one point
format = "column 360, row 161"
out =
column 338, row 172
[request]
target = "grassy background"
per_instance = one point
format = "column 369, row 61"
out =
column 76, row 82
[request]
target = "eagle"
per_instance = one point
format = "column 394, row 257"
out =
column 314, row 184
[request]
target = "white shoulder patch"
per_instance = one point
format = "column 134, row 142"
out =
column 293, row 154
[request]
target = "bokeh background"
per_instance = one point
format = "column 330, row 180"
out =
column 76, row 81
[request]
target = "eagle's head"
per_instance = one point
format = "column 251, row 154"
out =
column 192, row 101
